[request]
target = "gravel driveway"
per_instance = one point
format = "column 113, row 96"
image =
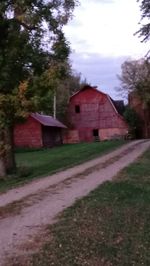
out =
column 27, row 210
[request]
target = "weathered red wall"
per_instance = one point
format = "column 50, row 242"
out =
column 96, row 112
column 70, row 136
column 28, row 134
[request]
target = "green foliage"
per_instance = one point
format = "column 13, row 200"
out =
column 23, row 51
column 44, row 87
column 135, row 77
column 133, row 121
column 144, row 31
column 47, row 161
column 31, row 37
column 67, row 88
column 135, row 82
column 60, row 48
column 58, row 80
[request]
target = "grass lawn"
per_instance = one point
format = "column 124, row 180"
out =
column 110, row 227
column 36, row 163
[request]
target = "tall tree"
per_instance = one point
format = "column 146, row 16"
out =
column 59, row 81
column 30, row 31
column 144, row 31
column 135, row 77
column 134, row 122
column 135, row 82
column 67, row 88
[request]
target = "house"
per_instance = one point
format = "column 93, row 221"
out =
column 143, row 112
column 38, row 131
column 93, row 115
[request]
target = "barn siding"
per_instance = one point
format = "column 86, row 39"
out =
column 96, row 112
column 28, row 134
column 111, row 133
column 71, row 136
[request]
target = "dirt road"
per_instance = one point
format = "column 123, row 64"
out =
column 27, row 210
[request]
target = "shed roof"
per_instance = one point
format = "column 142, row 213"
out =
column 47, row 120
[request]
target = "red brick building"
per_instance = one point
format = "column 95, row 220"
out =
column 38, row 131
column 93, row 115
column 143, row 112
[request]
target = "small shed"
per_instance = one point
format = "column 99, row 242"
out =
column 38, row 131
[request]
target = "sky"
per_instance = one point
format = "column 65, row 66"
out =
column 101, row 35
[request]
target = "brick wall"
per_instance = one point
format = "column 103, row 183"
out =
column 28, row 134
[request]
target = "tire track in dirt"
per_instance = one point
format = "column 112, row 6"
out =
column 18, row 229
column 16, row 206
column 35, row 186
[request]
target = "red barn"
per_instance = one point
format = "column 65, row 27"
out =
column 93, row 115
column 38, row 131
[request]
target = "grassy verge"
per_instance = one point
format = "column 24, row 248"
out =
column 37, row 163
column 109, row 227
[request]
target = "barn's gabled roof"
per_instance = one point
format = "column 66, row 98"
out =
column 47, row 120
column 118, row 106
column 85, row 87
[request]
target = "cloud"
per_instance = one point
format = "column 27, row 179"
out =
column 107, row 27
column 102, row 38
column 99, row 71
column 102, row 1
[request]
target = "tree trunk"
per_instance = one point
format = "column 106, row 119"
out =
column 2, row 168
column 146, row 123
column 2, row 161
column 9, row 154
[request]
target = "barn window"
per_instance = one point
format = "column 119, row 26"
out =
column 77, row 109
column 95, row 132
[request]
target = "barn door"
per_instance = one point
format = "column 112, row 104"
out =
column 96, row 134
column 51, row 136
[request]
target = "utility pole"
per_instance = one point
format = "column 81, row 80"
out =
column 54, row 105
